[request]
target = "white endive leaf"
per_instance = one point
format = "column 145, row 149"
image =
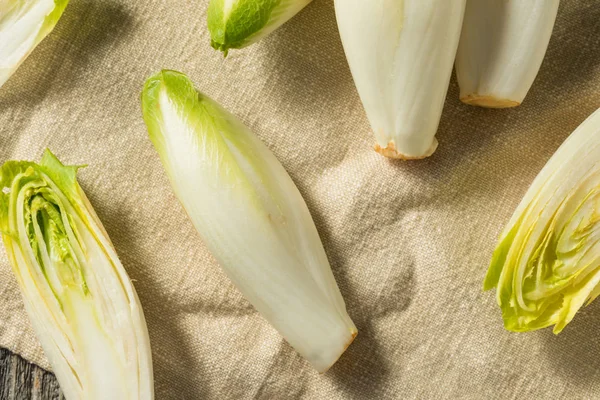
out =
column 79, row 298
column 547, row 264
column 250, row 215
column 23, row 24
column 234, row 24
column 502, row 45
column 401, row 53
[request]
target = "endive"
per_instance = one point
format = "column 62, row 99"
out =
column 80, row 301
column 400, row 54
column 547, row 264
column 250, row 215
column 23, row 25
column 502, row 45
column 234, row 24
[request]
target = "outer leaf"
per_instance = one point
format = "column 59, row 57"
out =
column 250, row 215
column 23, row 25
column 547, row 264
column 234, row 24
column 80, row 301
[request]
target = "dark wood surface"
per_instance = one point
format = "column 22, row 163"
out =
column 22, row 380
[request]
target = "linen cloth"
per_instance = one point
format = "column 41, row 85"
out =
column 409, row 242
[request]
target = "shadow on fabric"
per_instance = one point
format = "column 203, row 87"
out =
column 362, row 368
column 64, row 58
column 573, row 55
column 306, row 62
column 575, row 352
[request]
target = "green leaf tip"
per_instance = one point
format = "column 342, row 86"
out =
column 221, row 47
column 177, row 83
column 180, row 92
column 62, row 175
column 235, row 24
column 8, row 172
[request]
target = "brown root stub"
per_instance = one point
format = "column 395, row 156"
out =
column 354, row 334
column 391, row 152
column 488, row 101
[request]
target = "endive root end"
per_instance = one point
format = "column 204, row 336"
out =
column 391, row 152
column 354, row 334
column 488, row 101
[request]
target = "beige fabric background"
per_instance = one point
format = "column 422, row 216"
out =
column 409, row 243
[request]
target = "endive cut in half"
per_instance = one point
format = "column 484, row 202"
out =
column 401, row 54
column 502, row 46
column 234, row 24
column 79, row 299
column 250, row 215
column 23, row 25
column 547, row 263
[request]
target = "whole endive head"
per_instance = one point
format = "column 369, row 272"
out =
column 234, row 24
column 501, row 49
column 23, row 25
column 250, row 215
column 400, row 53
column 79, row 298
column 547, row 264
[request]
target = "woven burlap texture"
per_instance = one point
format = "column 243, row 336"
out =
column 409, row 242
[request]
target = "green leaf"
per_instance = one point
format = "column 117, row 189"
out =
column 52, row 19
column 65, row 177
column 234, row 24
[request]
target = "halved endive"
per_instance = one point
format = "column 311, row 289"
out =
column 250, row 215
column 401, row 54
column 547, row 264
column 502, row 45
column 234, row 24
column 79, row 298
column 23, row 25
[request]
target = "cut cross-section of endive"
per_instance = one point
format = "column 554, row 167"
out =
column 502, row 45
column 80, row 301
column 234, row 24
column 23, row 25
column 401, row 54
column 250, row 215
column 547, row 263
